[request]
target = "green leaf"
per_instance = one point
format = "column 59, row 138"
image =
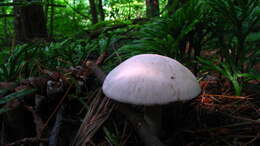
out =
column 249, row 76
column 18, row 94
column 254, row 37
column 3, row 91
column 3, row 110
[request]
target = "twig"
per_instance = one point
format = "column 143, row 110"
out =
column 101, row 58
column 56, row 109
column 246, row 119
column 254, row 139
column 217, row 128
column 27, row 140
column 226, row 96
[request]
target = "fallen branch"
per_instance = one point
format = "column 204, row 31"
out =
column 55, row 132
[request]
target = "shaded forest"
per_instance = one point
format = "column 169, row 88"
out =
column 95, row 73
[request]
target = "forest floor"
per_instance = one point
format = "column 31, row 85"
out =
column 53, row 114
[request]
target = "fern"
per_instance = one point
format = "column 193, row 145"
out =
column 165, row 35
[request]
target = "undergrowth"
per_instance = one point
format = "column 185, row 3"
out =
column 229, row 28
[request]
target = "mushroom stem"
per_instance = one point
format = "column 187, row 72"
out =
column 142, row 128
column 153, row 117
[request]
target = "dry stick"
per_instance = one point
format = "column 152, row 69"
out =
column 54, row 135
column 226, row 96
column 32, row 140
column 137, row 121
column 245, row 119
column 55, row 110
column 254, row 139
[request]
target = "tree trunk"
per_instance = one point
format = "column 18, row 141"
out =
column 29, row 22
column 93, row 11
column 152, row 8
column 101, row 10
column 52, row 20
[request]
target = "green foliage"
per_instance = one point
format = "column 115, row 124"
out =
column 166, row 35
column 76, row 17
column 232, row 74
column 6, row 25
column 234, row 22
column 3, row 110
column 21, row 62
column 70, row 20
column 227, row 25
column 3, row 91
column 65, row 53
column 232, row 31
column 12, row 63
column 24, row 60
column 16, row 95
column 122, row 9
column 114, row 137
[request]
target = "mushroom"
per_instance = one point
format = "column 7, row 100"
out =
column 151, row 80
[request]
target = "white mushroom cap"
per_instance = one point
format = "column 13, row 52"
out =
column 150, row 79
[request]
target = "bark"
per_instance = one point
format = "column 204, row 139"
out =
column 152, row 8
column 52, row 19
column 93, row 11
column 101, row 10
column 29, row 22
column 4, row 22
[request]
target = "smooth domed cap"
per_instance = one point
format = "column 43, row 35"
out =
column 150, row 79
